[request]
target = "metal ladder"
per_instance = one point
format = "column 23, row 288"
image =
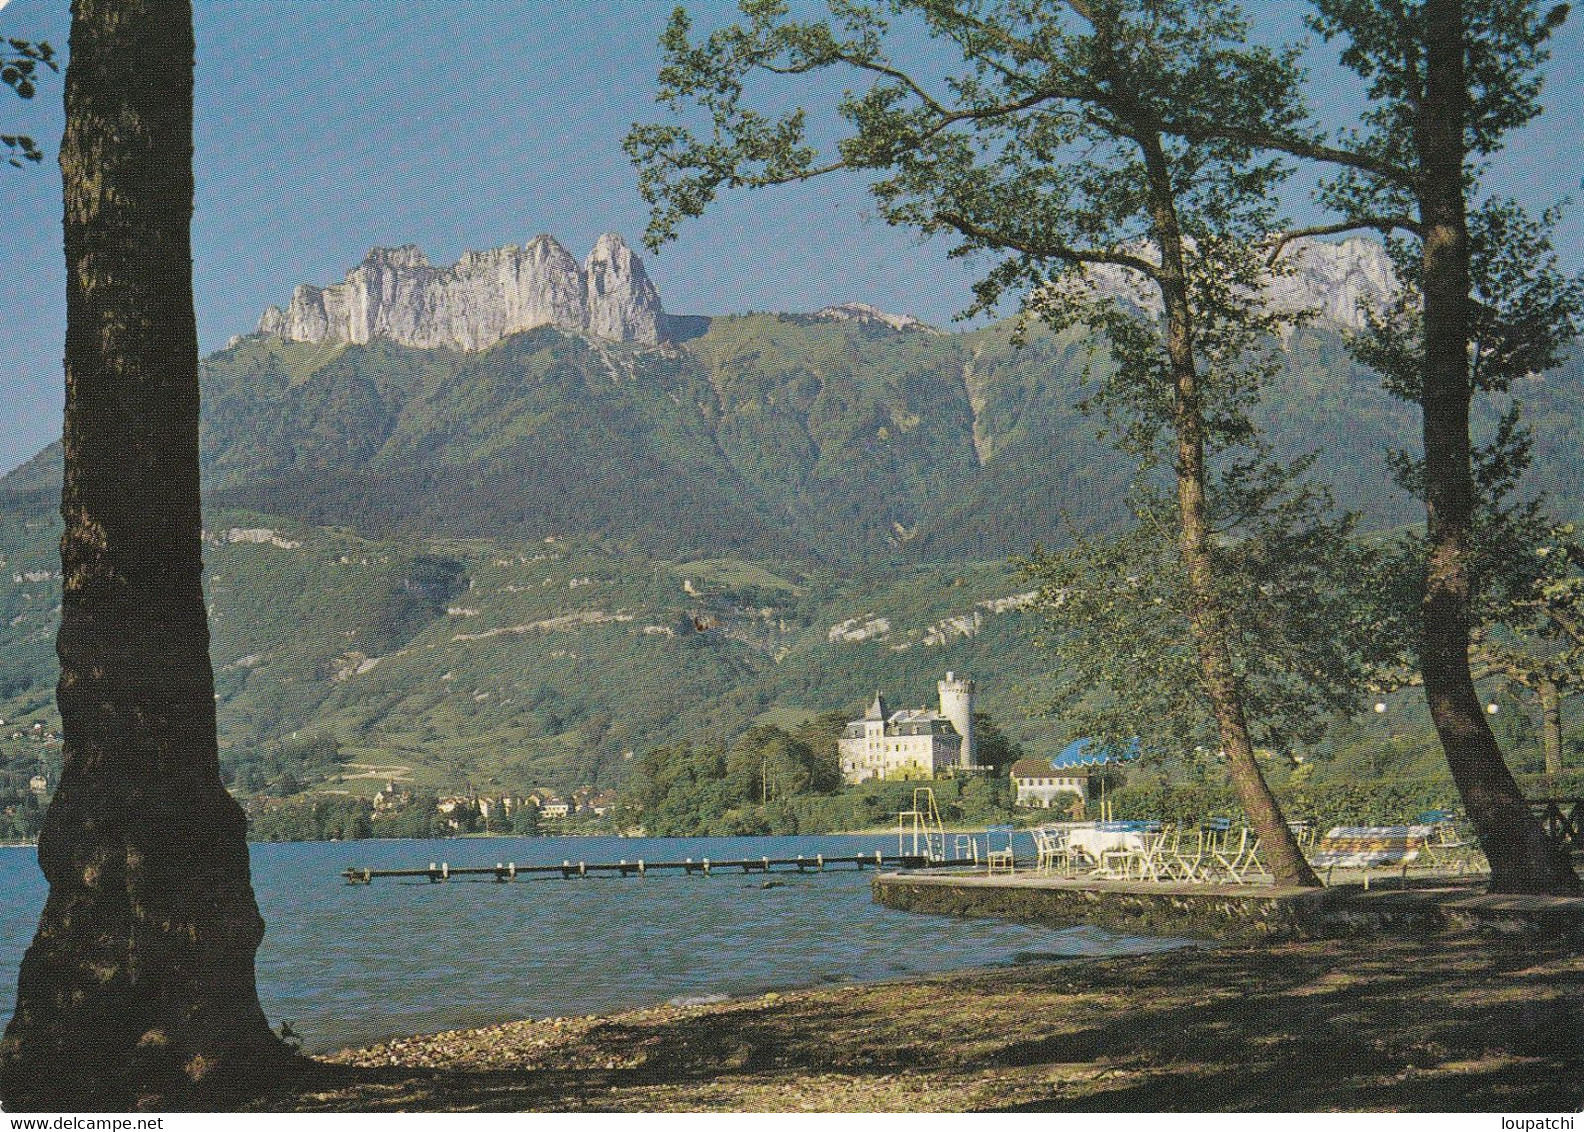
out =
column 928, row 835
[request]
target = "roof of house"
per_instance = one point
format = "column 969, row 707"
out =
column 1043, row 768
column 908, row 721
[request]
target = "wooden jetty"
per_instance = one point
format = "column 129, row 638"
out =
column 510, row 871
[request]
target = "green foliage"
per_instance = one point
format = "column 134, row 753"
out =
column 336, row 819
column 995, row 749
column 416, row 819
column 770, row 781
column 1505, row 47
column 282, row 767
column 1300, row 596
column 20, row 60
column 1323, row 805
column 1522, row 561
column 21, row 816
column 681, row 792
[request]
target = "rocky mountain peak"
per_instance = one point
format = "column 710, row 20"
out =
column 408, row 255
column 622, row 302
column 1338, row 281
column 873, row 316
column 396, row 294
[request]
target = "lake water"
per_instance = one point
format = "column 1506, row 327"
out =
column 347, row 965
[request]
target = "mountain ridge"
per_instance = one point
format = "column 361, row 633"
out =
column 516, row 564
column 396, row 294
column 486, row 296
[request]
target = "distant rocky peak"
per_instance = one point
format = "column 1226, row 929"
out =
column 1338, row 281
column 408, row 255
column 397, row 295
column 874, row 316
column 622, row 303
column 612, row 248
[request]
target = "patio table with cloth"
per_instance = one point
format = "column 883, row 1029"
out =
column 1094, row 841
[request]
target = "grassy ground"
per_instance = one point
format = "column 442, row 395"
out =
column 1443, row 1024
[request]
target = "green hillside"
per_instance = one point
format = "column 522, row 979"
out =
column 776, row 436
column 483, row 662
column 511, row 568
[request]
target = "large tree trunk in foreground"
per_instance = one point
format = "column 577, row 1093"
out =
column 1207, row 619
column 1522, row 859
column 138, row 988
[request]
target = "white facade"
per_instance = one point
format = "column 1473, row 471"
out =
column 1039, row 784
column 914, row 742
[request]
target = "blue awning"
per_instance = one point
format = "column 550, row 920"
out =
column 1088, row 752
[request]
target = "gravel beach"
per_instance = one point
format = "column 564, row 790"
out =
column 1439, row 1023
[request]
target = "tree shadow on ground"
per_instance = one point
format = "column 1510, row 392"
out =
column 1436, row 1024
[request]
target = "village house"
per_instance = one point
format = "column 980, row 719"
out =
column 390, row 798
column 1039, row 785
column 1076, row 769
column 496, row 806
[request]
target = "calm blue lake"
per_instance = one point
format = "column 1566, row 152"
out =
column 347, row 965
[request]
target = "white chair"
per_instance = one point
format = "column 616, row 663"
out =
column 1052, row 850
column 999, row 860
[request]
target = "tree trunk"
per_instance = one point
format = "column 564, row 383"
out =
column 1551, row 725
column 1207, row 619
column 1522, row 859
column 138, row 988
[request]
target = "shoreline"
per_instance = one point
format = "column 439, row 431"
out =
column 1464, row 1022
column 876, row 831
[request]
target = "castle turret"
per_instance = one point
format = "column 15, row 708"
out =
column 957, row 705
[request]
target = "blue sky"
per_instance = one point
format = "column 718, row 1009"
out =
column 326, row 128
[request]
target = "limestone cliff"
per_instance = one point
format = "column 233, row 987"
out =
column 396, row 294
column 1337, row 282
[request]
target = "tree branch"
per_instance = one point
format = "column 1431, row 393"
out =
column 793, row 178
column 1297, row 147
column 863, row 64
column 1047, row 251
column 1381, row 224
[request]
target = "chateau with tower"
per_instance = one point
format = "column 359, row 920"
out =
column 913, row 742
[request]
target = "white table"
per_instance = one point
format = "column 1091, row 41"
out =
column 1093, row 842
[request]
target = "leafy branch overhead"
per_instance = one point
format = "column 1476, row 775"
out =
column 1019, row 151
column 20, row 60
